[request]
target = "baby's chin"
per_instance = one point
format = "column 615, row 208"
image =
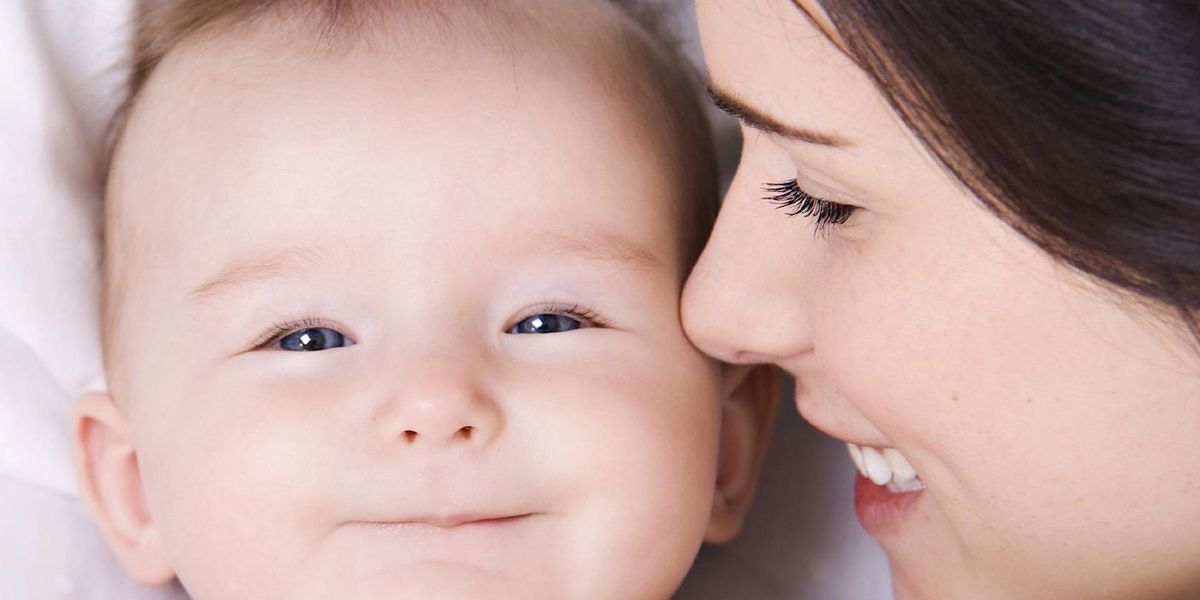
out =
column 516, row 559
column 419, row 580
column 342, row 581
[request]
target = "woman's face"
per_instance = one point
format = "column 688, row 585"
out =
column 1054, row 423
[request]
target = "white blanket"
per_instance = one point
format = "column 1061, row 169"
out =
column 60, row 64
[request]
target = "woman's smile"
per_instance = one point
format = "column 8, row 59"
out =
column 886, row 489
column 994, row 332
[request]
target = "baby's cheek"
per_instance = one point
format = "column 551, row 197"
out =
column 675, row 416
column 655, row 407
column 233, row 493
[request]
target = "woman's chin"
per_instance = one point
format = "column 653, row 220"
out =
column 925, row 560
column 917, row 578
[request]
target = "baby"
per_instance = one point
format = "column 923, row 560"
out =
column 391, row 308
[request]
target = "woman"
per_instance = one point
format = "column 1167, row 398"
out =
column 971, row 230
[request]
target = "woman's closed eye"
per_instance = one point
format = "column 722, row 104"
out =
column 788, row 196
column 556, row 318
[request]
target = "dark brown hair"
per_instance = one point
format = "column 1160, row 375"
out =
column 1078, row 123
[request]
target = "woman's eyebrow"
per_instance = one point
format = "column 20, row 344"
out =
column 244, row 272
column 757, row 119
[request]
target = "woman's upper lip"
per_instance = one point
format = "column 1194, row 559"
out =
column 835, row 426
column 851, row 439
column 865, row 443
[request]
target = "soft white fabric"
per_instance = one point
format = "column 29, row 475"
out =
column 51, row 550
column 60, row 68
column 60, row 63
column 56, row 73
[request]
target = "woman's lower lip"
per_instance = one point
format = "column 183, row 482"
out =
column 880, row 510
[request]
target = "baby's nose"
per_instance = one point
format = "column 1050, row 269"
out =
column 439, row 407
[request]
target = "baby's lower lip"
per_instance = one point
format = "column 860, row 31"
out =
column 402, row 546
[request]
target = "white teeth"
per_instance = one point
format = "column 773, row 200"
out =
column 912, row 485
column 878, row 470
column 885, row 467
column 901, row 470
column 856, row 457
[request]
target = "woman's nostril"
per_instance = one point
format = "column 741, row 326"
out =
column 466, row 431
column 410, row 435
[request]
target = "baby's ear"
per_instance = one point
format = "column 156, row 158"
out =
column 750, row 394
column 110, row 484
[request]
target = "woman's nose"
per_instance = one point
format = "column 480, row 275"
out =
column 745, row 301
column 439, row 406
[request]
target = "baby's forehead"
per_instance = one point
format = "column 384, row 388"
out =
column 582, row 48
column 248, row 141
column 596, row 38
column 241, row 112
column 267, row 92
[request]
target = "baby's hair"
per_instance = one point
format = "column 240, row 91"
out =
column 669, row 82
column 168, row 24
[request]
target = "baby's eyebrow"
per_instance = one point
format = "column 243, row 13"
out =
column 603, row 246
column 257, row 268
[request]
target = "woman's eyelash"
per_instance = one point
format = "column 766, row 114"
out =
column 788, row 196
column 278, row 330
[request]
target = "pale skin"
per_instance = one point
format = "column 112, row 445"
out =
column 1053, row 420
column 437, row 453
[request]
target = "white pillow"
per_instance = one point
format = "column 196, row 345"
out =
column 60, row 72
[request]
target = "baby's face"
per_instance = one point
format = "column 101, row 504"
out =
column 407, row 327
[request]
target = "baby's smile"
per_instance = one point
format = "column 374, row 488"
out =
column 485, row 542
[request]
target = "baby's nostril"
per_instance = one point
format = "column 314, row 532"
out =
column 410, row 435
column 465, row 431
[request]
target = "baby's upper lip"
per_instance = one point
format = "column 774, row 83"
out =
column 451, row 520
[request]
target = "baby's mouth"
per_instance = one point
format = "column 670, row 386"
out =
column 451, row 521
column 886, row 467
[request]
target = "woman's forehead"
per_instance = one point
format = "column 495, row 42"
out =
column 771, row 57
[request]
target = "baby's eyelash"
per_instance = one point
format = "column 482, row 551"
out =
column 278, row 330
column 576, row 311
column 788, row 196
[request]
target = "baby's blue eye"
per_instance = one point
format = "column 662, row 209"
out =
column 546, row 323
column 312, row 340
